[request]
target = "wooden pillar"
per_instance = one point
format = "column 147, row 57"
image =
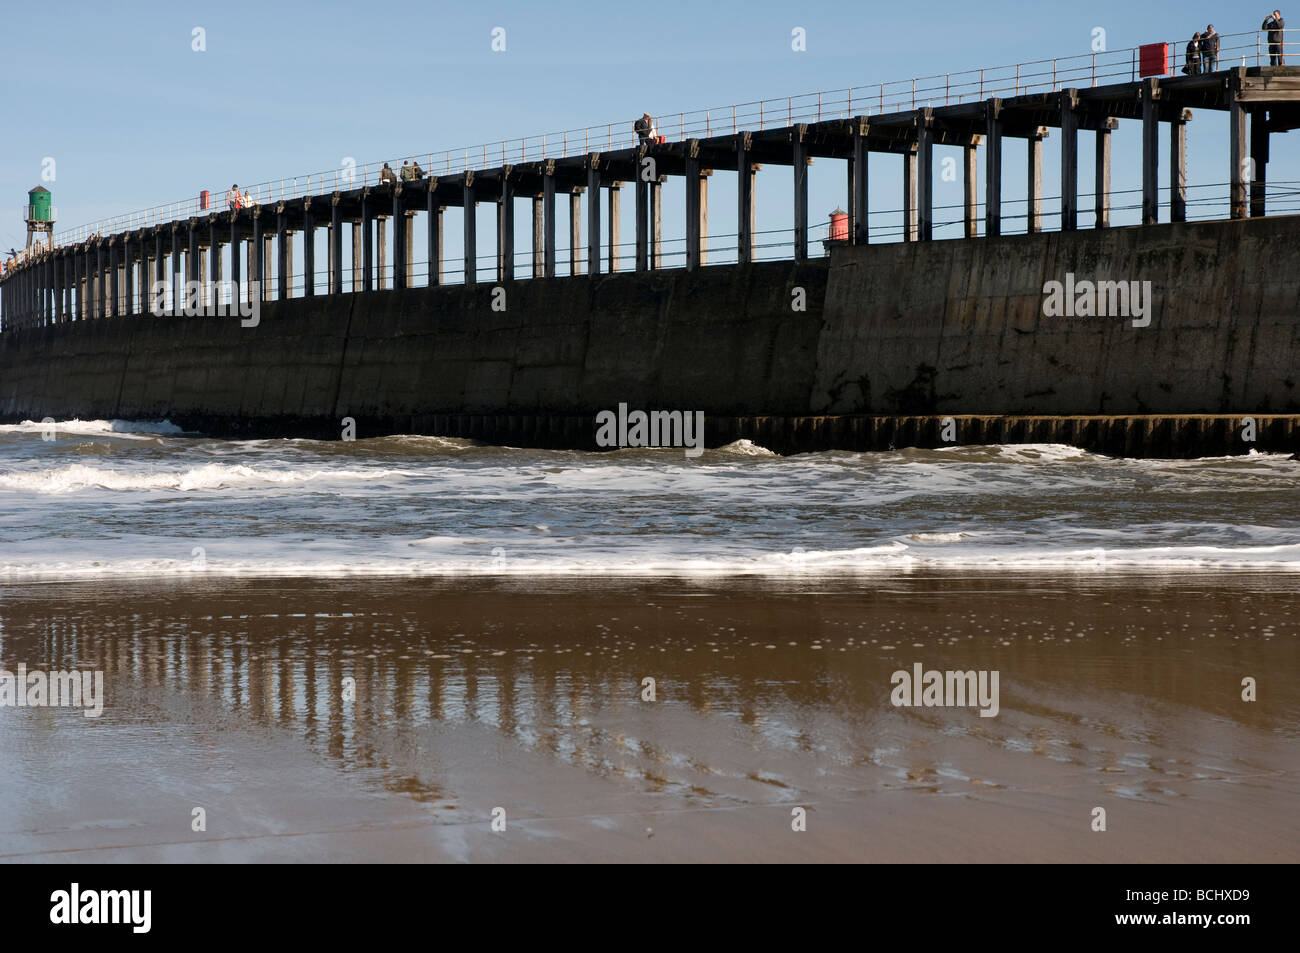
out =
column 909, row 195
column 744, row 200
column 1034, row 186
column 548, row 218
column 575, row 232
column 1150, row 153
column 642, row 214
column 614, row 190
column 506, row 230
column 993, row 169
column 1258, row 168
column 214, row 263
column 1178, row 168
column 408, row 248
column 336, row 246
column 859, row 204
column 656, row 223
column 1101, row 180
column 357, row 265
column 800, row 194
column 1069, row 160
column 308, row 250
column 268, row 255
column 471, row 229
column 970, row 187
column 399, row 238
column 128, row 277
column 257, row 265
column 593, row 215
column 692, row 179
column 381, row 252
column 539, row 237
column 434, row 227
column 925, row 175
column 367, row 242
column 236, row 294
column 282, row 239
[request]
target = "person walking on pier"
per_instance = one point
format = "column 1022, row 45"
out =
column 1193, row 64
column 1209, row 50
column 407, row 176
column 233, row 199
column 1276, row 27
column 416, row 172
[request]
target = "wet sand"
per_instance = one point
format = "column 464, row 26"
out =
column 526, row 694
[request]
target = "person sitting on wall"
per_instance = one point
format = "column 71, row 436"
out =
column 386, row 175
column 416, row 172
column 407, row 175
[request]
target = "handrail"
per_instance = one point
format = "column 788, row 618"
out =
column 976, row 85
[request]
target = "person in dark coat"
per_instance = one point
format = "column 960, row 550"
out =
column 1209, row 50
column 1275, row 26
column 1193, row 65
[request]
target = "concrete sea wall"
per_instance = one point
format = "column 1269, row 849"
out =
column 892, row 341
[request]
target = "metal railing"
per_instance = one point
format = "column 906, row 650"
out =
column 943, row 89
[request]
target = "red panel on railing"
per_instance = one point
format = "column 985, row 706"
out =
column 1153, row 59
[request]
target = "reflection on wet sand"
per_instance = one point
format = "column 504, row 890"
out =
column 384, row 719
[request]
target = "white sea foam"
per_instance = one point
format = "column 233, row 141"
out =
column 91, row 428
column 212, row 476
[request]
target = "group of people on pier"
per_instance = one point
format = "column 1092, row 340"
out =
column 1202, row 54
column 237, row 201
column 411, row 172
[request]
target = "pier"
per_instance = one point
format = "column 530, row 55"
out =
column 900, row 331
column 107, row 268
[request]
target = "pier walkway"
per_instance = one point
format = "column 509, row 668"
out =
column 107, row 268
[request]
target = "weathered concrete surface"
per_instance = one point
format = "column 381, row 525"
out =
column 721, row 340
column 894, row 338
column 958, row 326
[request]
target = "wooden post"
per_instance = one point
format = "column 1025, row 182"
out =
column 859, row 208
column 1069, row 160
column 1150, row 152
column 539, row 238
column 308, row 250
column 548, row 211
column 1101, row 186
column 1258, row 168
column 744, row 200
column 593, row 215
column 925, row 175
column 575, row 232
column 993, row 169
column 471, row 230
column 909, row 194
column 1034, row 187
column 692, row 179
column 614, row 189
column 800, row 194
column 506, row 229
column 1178, row 169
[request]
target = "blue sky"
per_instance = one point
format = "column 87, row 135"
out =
column 134, row 117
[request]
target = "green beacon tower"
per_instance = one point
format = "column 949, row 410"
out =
column 40, row 216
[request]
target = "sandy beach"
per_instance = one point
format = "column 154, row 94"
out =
column 470, row 695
